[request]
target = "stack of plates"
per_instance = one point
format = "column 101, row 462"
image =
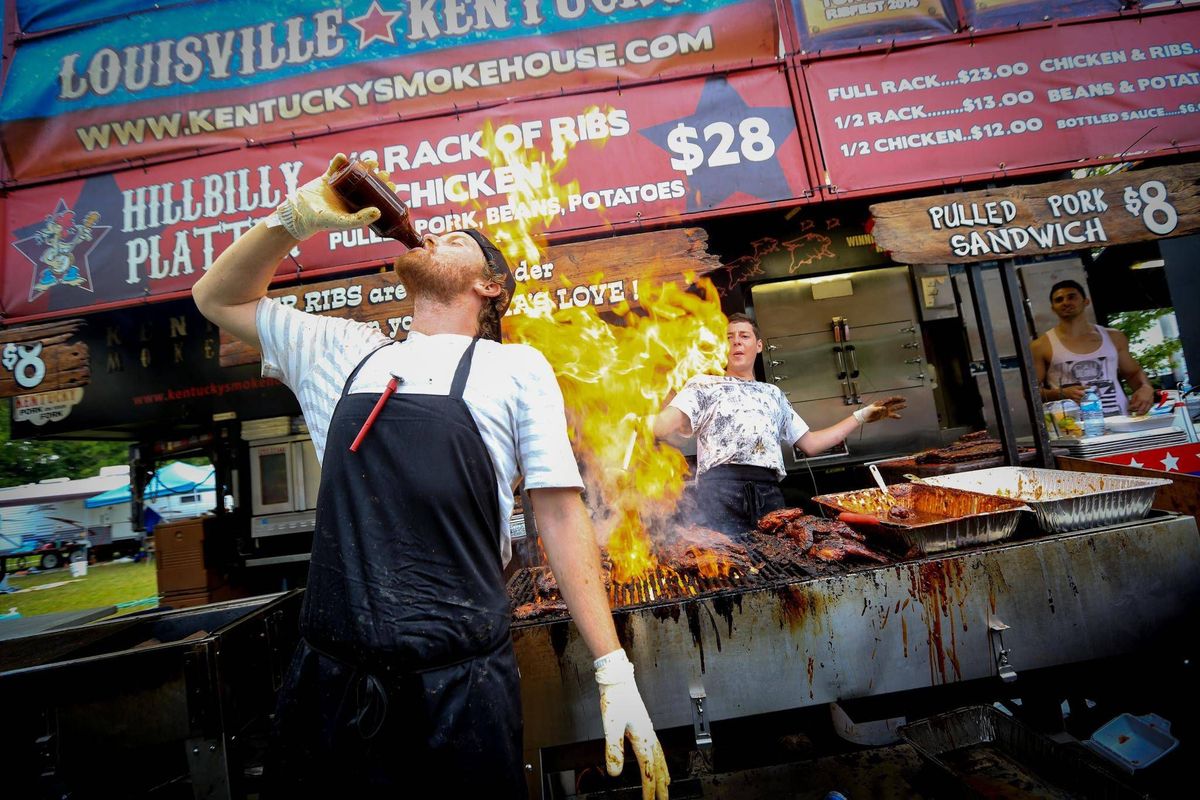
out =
column 1112, row 443
column 1126, row 424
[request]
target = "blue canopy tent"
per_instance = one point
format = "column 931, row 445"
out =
column 174, row 478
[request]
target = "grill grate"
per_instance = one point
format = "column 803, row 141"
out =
column 667, row 586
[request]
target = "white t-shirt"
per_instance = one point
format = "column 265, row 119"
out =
column 739, row 422
column 511, row 392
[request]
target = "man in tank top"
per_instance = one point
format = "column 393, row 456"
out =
column 1075, row 354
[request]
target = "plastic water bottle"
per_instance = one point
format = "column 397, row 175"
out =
column 1091, row 414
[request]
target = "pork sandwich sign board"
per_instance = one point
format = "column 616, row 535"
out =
column 1042, row 218
column 603, row 274
column 42, row 358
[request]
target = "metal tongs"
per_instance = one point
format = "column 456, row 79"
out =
column 854, row 518
column 888, row 499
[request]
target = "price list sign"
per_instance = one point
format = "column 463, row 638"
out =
column 1029, row 99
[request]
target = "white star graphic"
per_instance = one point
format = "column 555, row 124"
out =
column 375, row 24
column 1133, row 462
column 1171, row 463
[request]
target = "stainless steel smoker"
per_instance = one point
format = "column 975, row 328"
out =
column 836, row 341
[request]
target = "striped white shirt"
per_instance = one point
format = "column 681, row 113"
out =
column 512, row 393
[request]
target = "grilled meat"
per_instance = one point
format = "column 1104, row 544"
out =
column 804, row 529
column 544, row 581
column 697, row 549
column 970, row 447
column 782, row 551
column 772, row 522
column 799, row 531
column 831, row 527
column 539, row 609
column 836, row 548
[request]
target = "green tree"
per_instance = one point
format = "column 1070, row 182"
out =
column 30, row 461
column 1155, row 358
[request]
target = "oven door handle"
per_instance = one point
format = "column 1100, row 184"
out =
column 853, row 360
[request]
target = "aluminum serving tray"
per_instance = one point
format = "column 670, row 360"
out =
column 959, row 518
column 1062, row 500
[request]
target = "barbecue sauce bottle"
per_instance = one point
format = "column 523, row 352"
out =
column 359, row 187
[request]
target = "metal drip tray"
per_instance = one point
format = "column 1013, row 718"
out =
column 1063, row 500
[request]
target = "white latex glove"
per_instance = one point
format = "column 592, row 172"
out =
column 881, row 409
column 316, row 207
column 624, row 714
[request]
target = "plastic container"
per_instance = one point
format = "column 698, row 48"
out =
column 1133, row 743
column 1091, row 414
column 1063, row 419
column 79, row 563
column 360, row 188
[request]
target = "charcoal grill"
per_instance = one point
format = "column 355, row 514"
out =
column 777, row 641
column 668, row 587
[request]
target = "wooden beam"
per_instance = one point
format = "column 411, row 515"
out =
column 602, row 272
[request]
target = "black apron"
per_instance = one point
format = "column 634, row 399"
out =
column 732, row 498
column 405, row 672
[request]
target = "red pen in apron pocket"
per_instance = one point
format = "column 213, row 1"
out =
column 388, row 391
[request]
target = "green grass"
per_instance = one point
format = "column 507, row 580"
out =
column 105, row 584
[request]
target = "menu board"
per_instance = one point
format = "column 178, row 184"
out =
column 1036, row 98
column 654, row 151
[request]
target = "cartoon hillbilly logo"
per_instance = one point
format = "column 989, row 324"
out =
column 59, row 249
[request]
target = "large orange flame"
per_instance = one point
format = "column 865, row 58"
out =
column 615, row 373
column 614, row 378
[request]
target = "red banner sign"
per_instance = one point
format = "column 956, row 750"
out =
column 650, row 152
column 1037, row 98
column 174, row 81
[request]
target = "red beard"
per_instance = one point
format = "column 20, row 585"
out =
column 425, row 277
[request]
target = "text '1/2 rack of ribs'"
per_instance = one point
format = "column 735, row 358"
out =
column 692, row 561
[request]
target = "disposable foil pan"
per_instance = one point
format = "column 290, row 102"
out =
column 1062, row 500
column 980, row 751
column 942, row 518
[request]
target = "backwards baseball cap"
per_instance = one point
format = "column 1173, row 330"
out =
column 497, row 264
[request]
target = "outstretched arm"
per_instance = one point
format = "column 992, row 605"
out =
column 815, row 442
column 570, row 542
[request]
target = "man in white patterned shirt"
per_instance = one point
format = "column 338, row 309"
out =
column 740, row 424
column 406, row 664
